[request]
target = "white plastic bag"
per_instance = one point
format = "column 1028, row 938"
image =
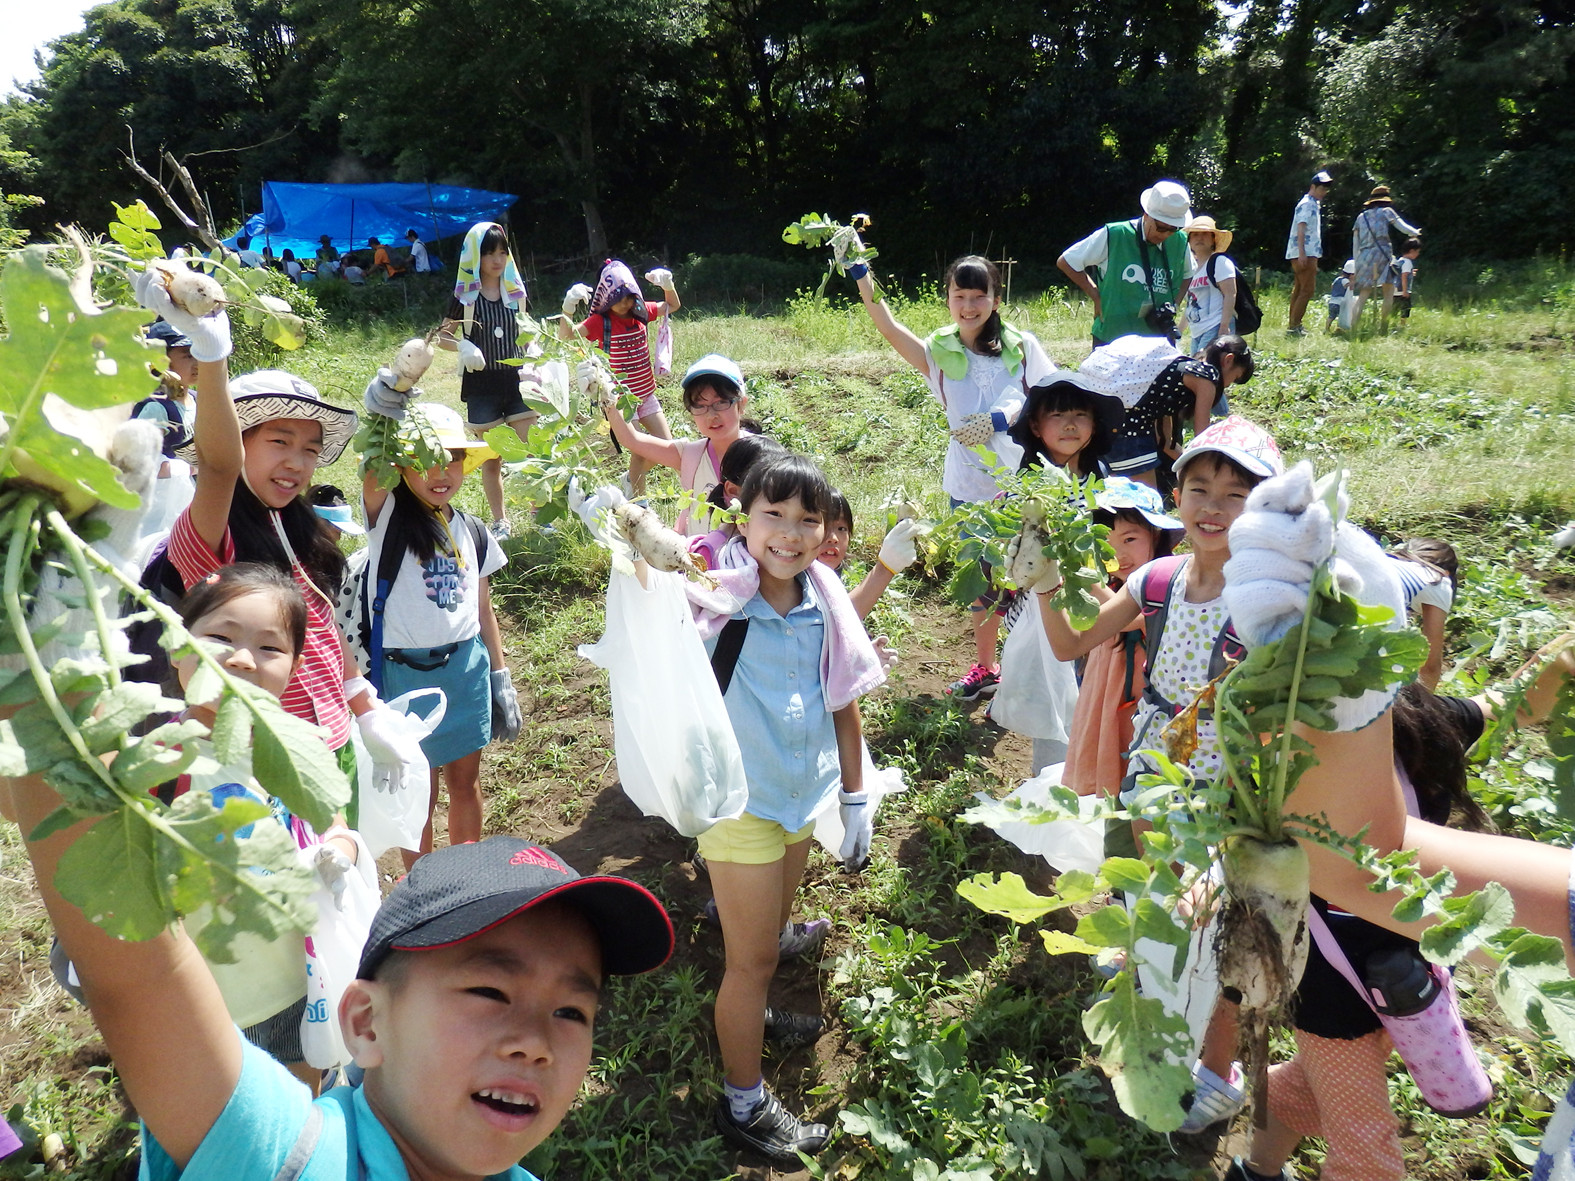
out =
column 677, row 757
column 1065, row 844
column 880, row 782
column 394, row 819
column 1037, row 693
column 333, row 953
column 171, row 495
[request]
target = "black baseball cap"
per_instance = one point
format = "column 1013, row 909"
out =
column 452, row 895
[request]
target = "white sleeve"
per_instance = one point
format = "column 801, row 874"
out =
column 1440, row 594
column 1091, row 251
column 1224, row 269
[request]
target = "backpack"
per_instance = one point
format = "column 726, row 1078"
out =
column 1249, row 316
column 143, row 637
column 1158, row 583
column 361, row 603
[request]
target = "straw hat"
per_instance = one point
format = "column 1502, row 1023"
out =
column 1380, row 196
column 1205, row 225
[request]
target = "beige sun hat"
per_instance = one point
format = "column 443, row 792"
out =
column 1205, row 225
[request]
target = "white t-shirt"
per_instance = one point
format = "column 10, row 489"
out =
column 1307, row 211
column 1423, row 586
column 1205, row 302
column 1180, row 668
column 418, row 258
column 437, row 603
column 292, row 267
column 1403, row 267
column 1091, row 251
column 985, row 388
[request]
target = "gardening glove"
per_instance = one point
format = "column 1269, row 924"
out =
column 661, row 276
column 471, row 358
column 595, row 382
column 976, row 430
column 382, row 398
column 506, row 720
column 885, row 653
column 389, row 743
column 209, row 335
column 900, row 549
column 1565, row 537
column 332, row 865
column 857, row 812
column 590, row 509
column 1034, row 572
column 574, row 297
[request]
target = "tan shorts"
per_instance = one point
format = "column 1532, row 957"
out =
column 749, row 840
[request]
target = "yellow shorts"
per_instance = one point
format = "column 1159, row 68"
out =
column 749, row 840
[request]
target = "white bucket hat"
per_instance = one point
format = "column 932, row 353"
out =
column 1168, row 201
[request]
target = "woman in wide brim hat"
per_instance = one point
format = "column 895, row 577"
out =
column 1211, row 298
column 1379, row 196
column 1373, row 248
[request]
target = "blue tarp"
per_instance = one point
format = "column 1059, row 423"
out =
column 295, row 215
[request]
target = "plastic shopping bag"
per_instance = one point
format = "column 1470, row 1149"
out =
column 394, row 819
column 1037, row 693
column 333, row 953
column 677, row 756
column 878, row 781
column 1065, row 844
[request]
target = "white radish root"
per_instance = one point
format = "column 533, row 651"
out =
column 1261, row 943
column 661, row 548
column 411, row 363
column 191, row 291
column 1029, row 563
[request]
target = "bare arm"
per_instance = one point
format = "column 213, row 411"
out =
column 373, row 498
column 1228, row 311
column 446, row 338
column 662, row 451
column 220, row 453
column 1301, row 239
column 670, row 294
column 1068, row 643
column 1080, row 280
column 869, row 591
column 850, row 746
column 1204, row 394
column 909, row 347
column 1433, row 628
column 491, row 636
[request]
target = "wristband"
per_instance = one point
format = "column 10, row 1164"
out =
column 356, row 686
column 998, row 420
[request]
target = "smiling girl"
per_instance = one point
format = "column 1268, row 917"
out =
column 979, row 368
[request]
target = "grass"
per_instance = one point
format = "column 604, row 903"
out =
column 955, row 1040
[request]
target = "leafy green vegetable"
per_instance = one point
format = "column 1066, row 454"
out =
column 847, row 247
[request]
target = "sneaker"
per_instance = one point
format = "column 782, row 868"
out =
column 772, row 1131
column 791, row 1030
column 625, row 486
column 1214, row 1099
column 501, row 530
column 1297, row 331
column 1239, row 1171
column 797, row 939
column 981, row 681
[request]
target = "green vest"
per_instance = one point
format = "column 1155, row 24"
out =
column 951, row 354
column 1123, row 293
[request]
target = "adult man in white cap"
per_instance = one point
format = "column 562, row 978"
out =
column 1142, row 266
column 1305, row 248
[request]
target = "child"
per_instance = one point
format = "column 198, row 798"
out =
column 258, row 440
column 329, row 503
column 420, row 260
column 1429, row 573
column 797, row 732
column 289, row 265
column 170, row 406
column 1189, row 635
column 1113, row 675
column 618, row 325
column 714, row 396
column 381, row 260
column 327, row 257
column 1404, row 272
column 472, row 1019
column 740, row 457
column 1340, row 297
column 438, row 625
column 488, row 296
column 980, row 370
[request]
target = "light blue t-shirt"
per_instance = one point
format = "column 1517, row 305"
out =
column 261, row 1126
column 785, row 734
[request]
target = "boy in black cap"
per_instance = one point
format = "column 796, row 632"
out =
column 472, row 1021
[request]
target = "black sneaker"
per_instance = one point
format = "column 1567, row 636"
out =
column 980, row 682
column 772, row 1131
column 1239, row 1171
column 791, row 1030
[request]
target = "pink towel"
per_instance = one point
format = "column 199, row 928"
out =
column 849, row 665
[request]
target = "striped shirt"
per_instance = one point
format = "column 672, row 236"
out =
column 1423, row 585
column 628, row 346
column 494, row 330
column 317, row 691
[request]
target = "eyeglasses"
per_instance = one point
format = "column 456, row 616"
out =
column 700, row 408
column 1163, row 228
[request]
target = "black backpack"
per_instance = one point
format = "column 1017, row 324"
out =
column 161, row 578
column 1249, row 316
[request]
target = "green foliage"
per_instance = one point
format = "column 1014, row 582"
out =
column 385, row 445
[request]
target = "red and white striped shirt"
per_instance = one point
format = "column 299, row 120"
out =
column 317, row 691
column 628, row 347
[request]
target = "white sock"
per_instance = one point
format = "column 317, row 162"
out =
column 742, row 1101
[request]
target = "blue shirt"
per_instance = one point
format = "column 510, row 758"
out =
column 261, row 1124
column 785, row 734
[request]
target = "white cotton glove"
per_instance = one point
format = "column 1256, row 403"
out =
column 660, row 276
column 885, row 653
column 1565, row 537
column 1276, row 545
column 471, row 358
column 390, row 744
column 574, row 297
column 900, row 549
column 976, row 430
column 382, row 398
column 209, row 335
column 595, row 382
column 332, row 866
column 857, row 812
column 506, row 719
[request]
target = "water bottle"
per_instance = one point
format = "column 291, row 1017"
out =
column 1400, row 981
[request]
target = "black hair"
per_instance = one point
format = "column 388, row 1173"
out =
column 1432, row 553
column 288, row 255
column 1164, row 539
column 1410, row 245
column 741, row 455
column 784, row 477
column 414, row 526
column 247, row 578
column 724, row 388
column 1218, row 461
column 325, row 494
column 841, row 510
column 243, row 240
column 312, row 538
column 411, row 234
column 373, row 242
column 496, row 238
column 974, row 272
column 1238, row 348
column 1431, row 746
column 1056, row 396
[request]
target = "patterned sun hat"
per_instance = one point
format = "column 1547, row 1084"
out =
column 272, row 393
column 1245, row 442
